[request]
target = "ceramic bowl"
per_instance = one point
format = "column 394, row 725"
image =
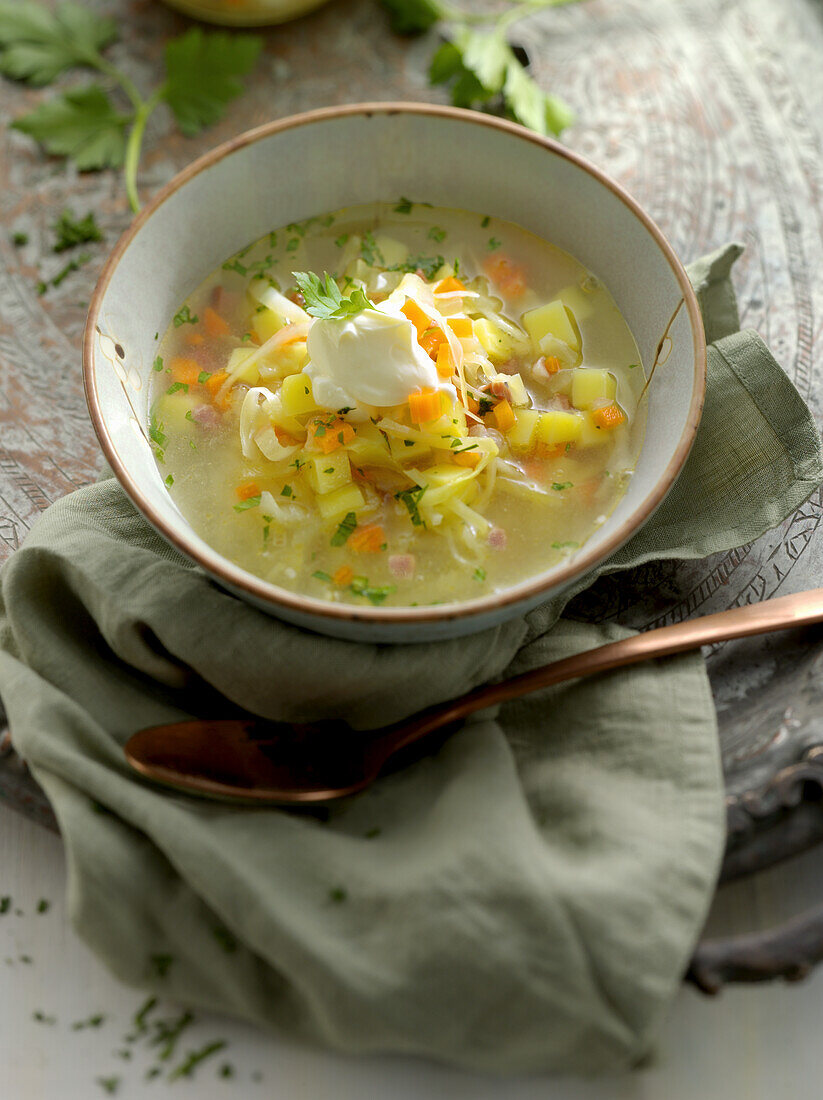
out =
column 313, row 163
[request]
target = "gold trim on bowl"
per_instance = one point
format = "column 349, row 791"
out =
column 309, row 606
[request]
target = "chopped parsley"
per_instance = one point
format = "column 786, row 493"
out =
column 161, row 964
column 189, row 416
column 437, row 234
column 404, row 206
column 346, row 527
column 158, row 364
column 338, row 894
column 19, row 239
column 484, row 223
column 329, row 470
column 5, row 904
column 203, row 377
column 235, row 265
column 272, row 239
column 462, row 450
column 93, row 1021
column 157, row 435
column 324, row 298
column 184, row 316
column 249, row 502
column 633, row 365
column 194, row 1058
column 360, row 587
column 293, row 244
column 493, row 244
column 297, row 463
column 559, row 486
column 109, row 1084
column 225, row 939
column 287, row 491
column 479, row 574
column 486, row 405
column 72, row 265
column 70, row 231
column 169, row 481
column 411, row 498
column 43, row 905
column 408, row 442
column 341, row 240
column 429, row 265
column 175, row 387
column 42, row 1018
column 370, row 252
column 320, row 575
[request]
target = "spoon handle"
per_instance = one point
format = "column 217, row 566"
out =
column 800, row 609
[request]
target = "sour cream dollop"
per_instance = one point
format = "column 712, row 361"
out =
column 372, row 358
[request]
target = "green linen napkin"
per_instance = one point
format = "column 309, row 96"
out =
column 524, row 898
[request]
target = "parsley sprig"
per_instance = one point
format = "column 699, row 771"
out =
column 477, row 61
column 324, row 298
column 202, row 75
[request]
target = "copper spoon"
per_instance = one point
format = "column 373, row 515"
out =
column 256, row 761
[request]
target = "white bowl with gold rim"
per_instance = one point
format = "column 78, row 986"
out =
column 306, row 165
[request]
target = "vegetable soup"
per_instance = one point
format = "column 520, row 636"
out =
column 397, row 404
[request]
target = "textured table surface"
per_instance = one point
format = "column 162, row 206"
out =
column 711, row 113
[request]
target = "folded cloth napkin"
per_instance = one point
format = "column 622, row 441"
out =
column 524, row 898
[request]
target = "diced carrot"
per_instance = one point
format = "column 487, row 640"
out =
column 416, row 315
column 214, row 323
column 503, row 416
column 184, row 370
column 552, row 364
column 431, row 341
column 425, row 406
column 610, row 416
column 343, row 575
column 508, row 275
column 447, row 285
column 445, row 366
column 327, row 435
column 461, row 326
column 194, row 338
column 368, row 540
column 467, row 458
column 215, row 381
column 284, row 439
column 248, row 489
column 473, row 404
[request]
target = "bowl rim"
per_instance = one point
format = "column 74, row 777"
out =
column 524, row 591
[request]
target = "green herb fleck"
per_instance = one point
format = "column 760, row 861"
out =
column 360, row 587
column 184, row 316
column 226, row 940
column 374, row 831
column 347, row 526
column 70, row 231
column 175, row 387
column 43, row 905
column 559, row 486
column 493, row 244
column 411, row 498
column 408, row 442
column 27, row 960
column 42, row 287
column 287, row 491
column 5, row 904
column 293, row 244
column 370, row 252
column 42, row 1018
column 142, row 1013
column 157, row 365
column 437, row 234
column 485, row 222
column 194, row 1058
column 565, row 545
column 227, row 1070
column 338, row 894
column 93, row 1021
column 404, row 206
column 109, row 1084
column 633, row 365
column 19, row 239
column 203, row 377
column 322, row 576
column 429, row 265
column 169, row 481
column 479, row 574
column 341, row 240
column 249, row 502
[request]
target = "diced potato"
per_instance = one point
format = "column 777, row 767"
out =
column 497, row 344
column 394, row 252
column 171, row 409
column 248, row 375
column 517, row 389
column 592, row 435
column 265, row 323
column 338, row 502
column 326, row 473
column 591, row 384
column 286, row 360
column 405, row 449
column 296, row 395
column 578, row 301
column 369, row 446
column 281, row 419
column 521, row 436
column 558, row 426
column 553, row 319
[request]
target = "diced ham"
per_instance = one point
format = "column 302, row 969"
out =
column 501, row 389
column 206, row 416
column 497, row 538
column 402, row 566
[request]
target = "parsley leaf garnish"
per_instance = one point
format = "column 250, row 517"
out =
column 37, row 44
column 360, row 587
column 427, row 264
column 324, row 299
column 184, row 316
column 203, row 75
column 249, row 502
column 411, row 498
column 413, row 16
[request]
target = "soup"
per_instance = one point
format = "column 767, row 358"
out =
column 397, row 404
